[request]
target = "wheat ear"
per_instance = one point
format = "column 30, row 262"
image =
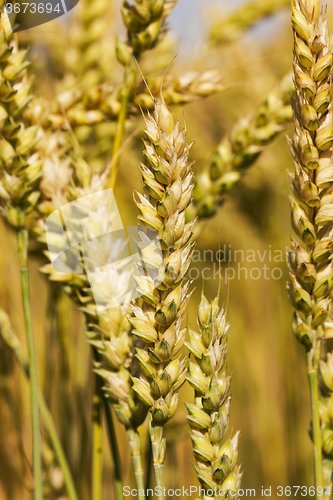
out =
column 145, row 24
column 216, row 462
column 158, row 317
column 232, row 27
column 86, row 43
column 240, row 150
column 108, row 330
column 103, row 102
column 310, row 264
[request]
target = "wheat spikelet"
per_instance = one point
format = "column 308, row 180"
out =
column 310, row 266
column 108, row 330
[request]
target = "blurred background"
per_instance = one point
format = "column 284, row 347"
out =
column 270, row 398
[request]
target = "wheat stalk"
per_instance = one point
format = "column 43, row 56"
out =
column 108, row 330
column 216, row 462
column 20, row 171
column 145, row 23
column 310, row 263
column 157, row 319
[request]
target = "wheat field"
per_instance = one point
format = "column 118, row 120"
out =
column 247, row 228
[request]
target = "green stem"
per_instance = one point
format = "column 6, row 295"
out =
column 118, row 139
column 135, row 447
column 312, row 359
column 22, row 239
column 65, row 339
column 158, row 472
column 149, row 456
column 97, row 459
column 158, row 446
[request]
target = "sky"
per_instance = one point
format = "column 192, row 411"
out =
column 190, row 19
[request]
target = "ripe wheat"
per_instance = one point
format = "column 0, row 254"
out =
column 168, row 184
column 310, row 264
column 216, row 462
